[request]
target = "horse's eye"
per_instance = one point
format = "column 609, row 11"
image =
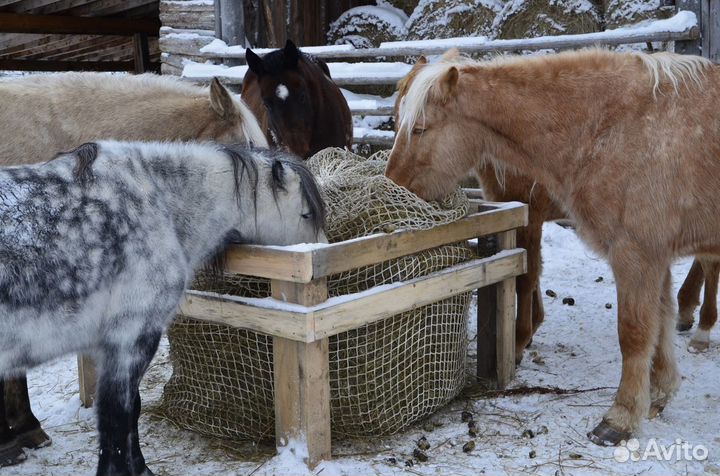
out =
column 418, row 130
column 307, row 216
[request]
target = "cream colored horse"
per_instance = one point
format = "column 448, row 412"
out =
column 628, row 144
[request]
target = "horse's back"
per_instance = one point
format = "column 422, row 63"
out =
column 46, row 114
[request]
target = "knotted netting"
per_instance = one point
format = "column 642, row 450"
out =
column 384, row 375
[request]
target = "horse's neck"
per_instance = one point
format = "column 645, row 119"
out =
column 538, row 125
column 200, row 199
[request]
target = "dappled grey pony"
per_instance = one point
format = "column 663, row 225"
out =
column 98, row 245
column 44, row 114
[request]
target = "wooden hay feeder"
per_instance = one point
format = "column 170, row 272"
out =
column 300, row 317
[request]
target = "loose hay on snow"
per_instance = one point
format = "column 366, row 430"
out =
column 383, row 376
column 368, row 26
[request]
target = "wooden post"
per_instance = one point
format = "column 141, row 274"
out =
column 693, row 47
column 230, row 24
column 141, row 53
column 88, row 380
column 711, row 30
column 302, row 380
column 505, row 319
column 496, row 326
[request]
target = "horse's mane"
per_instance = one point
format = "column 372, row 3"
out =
column 662, row 67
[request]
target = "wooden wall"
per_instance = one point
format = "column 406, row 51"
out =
column 269, row 23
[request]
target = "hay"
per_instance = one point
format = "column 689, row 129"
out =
column 522, row 19
column 383, row 376
column 627, row 12
column 368, row 26
column 453, row 18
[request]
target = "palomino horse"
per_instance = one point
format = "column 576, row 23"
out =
column 703, row 271
column 297, row 103
column 505, row 186
column 41, row 115
column 98, row 246
column 617, row 139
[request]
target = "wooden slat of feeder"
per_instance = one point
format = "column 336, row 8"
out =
column 337, row 315
column 232, row 311
column 374, row 249
column 303, row 266
column 378, row 305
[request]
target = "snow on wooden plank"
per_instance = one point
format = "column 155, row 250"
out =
column 682, row 26
column 342, row 73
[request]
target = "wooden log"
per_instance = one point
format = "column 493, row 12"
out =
column 403, row 49
column 187, row 44
column 302, row 381
column 87, row 378
column 188, row 15
column 15, row 23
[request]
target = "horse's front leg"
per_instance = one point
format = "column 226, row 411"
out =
column 23, row 423
column 639, row 286
column 118, row 406
column 10, row 451
column 529, row 313
column 688, row 296
column 664, row 376
column 700, row 341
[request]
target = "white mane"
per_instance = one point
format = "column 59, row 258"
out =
column 677, row 69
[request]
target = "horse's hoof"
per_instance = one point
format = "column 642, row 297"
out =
column 698, row 346
column 33, row 439
column 11, row 453
column 683, row 326
column 657, row 407
column 606, row 435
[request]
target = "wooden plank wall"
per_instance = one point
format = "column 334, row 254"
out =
column 303, row 21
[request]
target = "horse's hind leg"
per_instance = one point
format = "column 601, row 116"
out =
column 664, row 376
column 10, row 451
column 24, row 424
column 118, row 406
column 708, row 312
column 689, row 296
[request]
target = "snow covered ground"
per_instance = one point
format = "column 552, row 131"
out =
column 576, row 349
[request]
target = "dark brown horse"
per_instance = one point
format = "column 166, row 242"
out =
column 296, row 101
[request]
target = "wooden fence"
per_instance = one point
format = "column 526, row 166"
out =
column 187, row 52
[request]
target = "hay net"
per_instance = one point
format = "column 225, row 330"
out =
column 383, row 376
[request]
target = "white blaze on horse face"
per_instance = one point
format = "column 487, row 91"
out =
column 282, row 92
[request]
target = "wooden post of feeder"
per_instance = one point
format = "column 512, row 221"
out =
column 87, row 379
column 302, row 379
column 496, row 326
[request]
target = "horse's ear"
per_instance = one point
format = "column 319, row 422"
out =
column 254, row 62
column 422, row 61
column 221, row 100
column 292, row 54
column 448, row 83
